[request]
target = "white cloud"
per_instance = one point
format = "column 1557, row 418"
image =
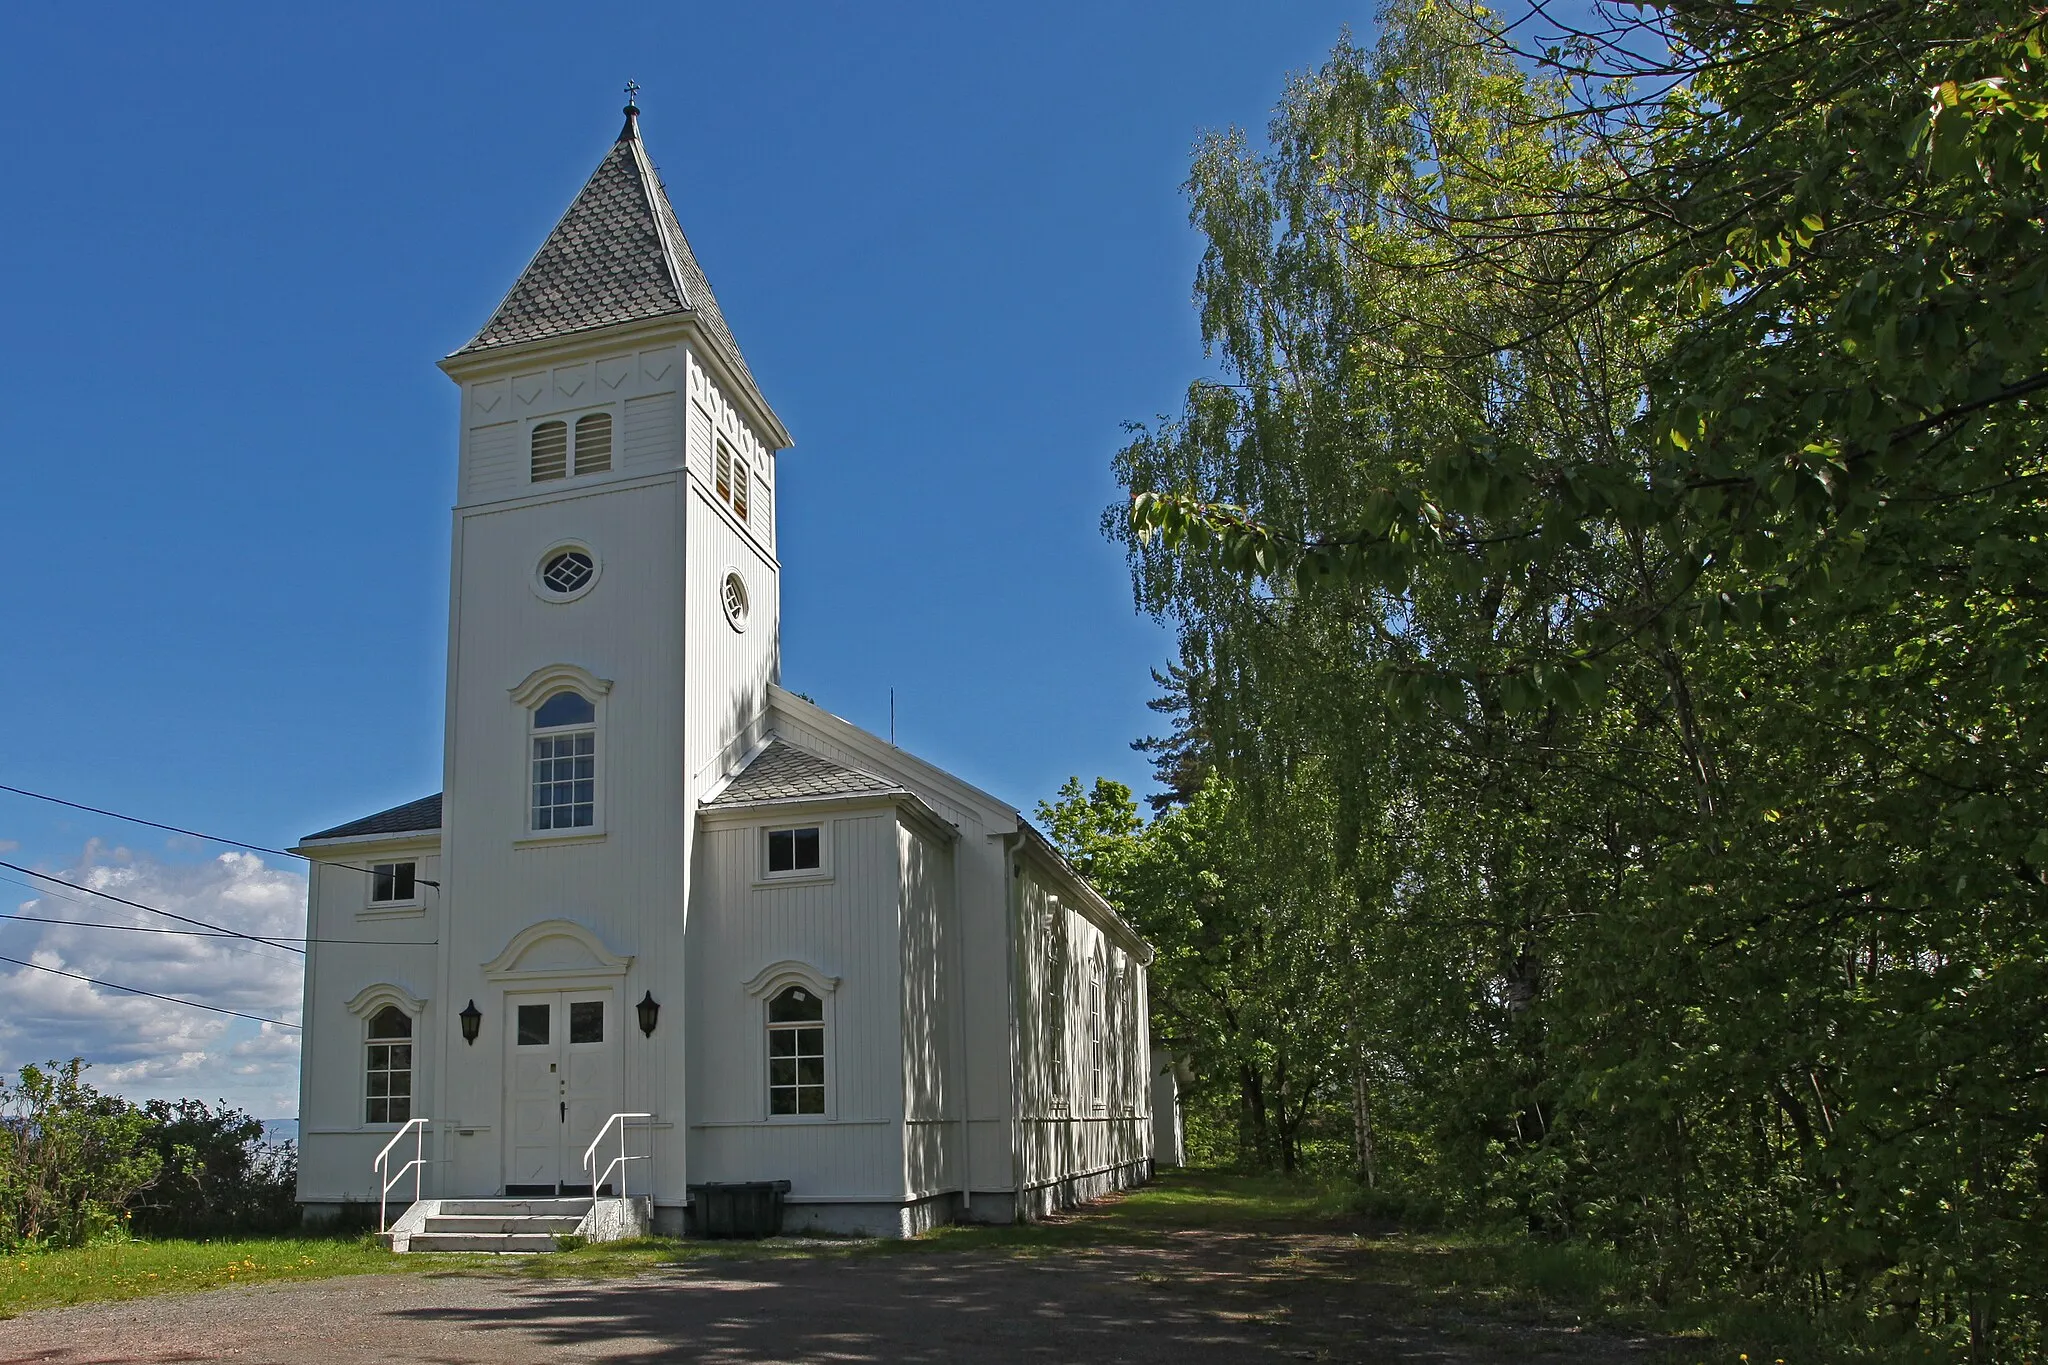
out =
column 147, row 1048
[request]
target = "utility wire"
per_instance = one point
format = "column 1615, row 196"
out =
column 183, row 919
column 108, row 985
column 192, row 833
column 43, row 891
column 215, row 933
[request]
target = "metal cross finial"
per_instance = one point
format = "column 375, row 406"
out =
column 632, row 93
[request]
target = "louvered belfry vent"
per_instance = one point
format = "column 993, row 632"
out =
column 551, row 451
column 593, row 443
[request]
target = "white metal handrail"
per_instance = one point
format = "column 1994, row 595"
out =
column 590, row 1152
column 380, row 1166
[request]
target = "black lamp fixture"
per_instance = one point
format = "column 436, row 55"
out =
column 649, row 1010
column 472, row 1019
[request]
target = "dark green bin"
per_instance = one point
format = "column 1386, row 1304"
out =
column 741, row 1208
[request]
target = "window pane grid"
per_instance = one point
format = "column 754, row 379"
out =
column 794, row 850
column 565, row 780
column 796, row 1053
column 392, row 882
column 387, row 1068
column 796, row 1069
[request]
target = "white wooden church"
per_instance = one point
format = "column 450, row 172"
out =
column 663, row 901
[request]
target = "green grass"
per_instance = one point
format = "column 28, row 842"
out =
column 131, row 1270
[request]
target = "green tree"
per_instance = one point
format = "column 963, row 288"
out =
column 1607, row 585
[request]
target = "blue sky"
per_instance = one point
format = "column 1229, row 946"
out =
column 234, row 239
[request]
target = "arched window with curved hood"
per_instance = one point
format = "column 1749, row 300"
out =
column 387, row 1066
column 564, row 782
column 796, row 1052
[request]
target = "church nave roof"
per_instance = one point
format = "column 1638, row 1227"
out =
column 414, row 817
column 783, row 772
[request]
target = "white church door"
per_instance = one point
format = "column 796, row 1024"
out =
column 565, row 1082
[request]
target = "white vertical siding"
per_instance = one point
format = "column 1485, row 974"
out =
column 714, row 416
column 844, row 927
column 1068, row 1127
column 931, row 1155
column 729, row 669
column 336, row 1147
column 627, row 887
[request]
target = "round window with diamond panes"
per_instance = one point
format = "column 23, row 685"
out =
column 733, row 596
column 568, row 572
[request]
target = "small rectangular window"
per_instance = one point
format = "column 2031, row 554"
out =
column 533, row 1025
column 392, row 882
column 586, row 1021
column 793, row 850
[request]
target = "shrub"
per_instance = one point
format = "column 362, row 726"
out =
column 219, row 1176
column 71, row 1158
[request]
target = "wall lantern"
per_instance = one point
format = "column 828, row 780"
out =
column 649, row 1010
column 472, row 1019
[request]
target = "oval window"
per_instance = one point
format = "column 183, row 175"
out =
column 568, row 572
column 733, row 596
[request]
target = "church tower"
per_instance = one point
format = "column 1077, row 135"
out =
column 613, row 637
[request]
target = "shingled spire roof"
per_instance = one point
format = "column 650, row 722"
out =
column 618, row 255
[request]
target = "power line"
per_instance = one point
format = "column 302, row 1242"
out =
column 192, row 833
column 43, row 891
column 108, row 985
column 282, row 939
column 183, row 919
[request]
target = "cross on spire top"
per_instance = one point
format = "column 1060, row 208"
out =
column 632, row 96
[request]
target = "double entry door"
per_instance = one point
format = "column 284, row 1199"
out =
column 566, row 1081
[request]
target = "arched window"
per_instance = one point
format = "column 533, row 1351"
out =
column 593, row 443
column 387, row 1067
column 565, row 762
column 796, row 1052
column 550, row 451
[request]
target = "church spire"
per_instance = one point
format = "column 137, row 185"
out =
column 617, row 255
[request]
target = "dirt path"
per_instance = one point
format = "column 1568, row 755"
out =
column 1199, row 1296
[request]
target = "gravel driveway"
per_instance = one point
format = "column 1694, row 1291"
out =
column 1205, row 1296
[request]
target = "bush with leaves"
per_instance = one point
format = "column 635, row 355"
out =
column 219, row 1175
column 71, row 1159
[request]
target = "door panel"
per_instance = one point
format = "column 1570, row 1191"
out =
column 593, row 1090
column 535, row 1145
column 566, row 1080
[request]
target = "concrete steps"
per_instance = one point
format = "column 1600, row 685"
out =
column 496, row 1226
column 495, row 1243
